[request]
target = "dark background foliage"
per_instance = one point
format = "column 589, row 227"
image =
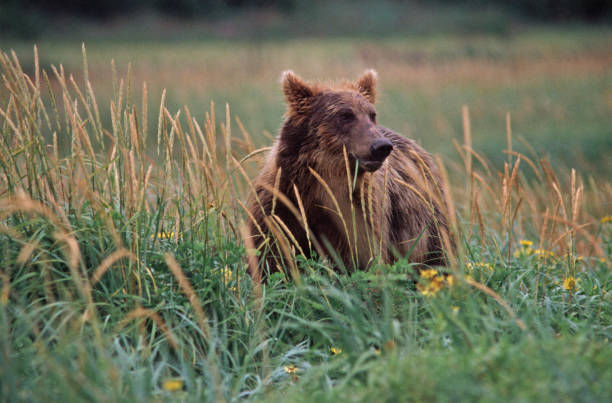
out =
column 29, row 18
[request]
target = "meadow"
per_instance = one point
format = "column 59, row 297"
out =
column 122, row 224
column 554, row 81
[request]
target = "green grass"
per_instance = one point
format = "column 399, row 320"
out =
column 554, row 81
column 93, row 308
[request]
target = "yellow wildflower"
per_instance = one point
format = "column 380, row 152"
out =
column 172, row 385
column 227, row 275
column 451, row 280
column 429, row 273
column 606, row 219
column 425, row 290
column 335, row 350
column 432, row 287
column 290, row 369
column 455, row 309
column 569, row 283
column 544, row 253
column 523, row 251
column 164, row 235
column 526, row 243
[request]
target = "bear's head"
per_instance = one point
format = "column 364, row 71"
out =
column 322, row 120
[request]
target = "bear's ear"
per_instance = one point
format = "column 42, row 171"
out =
column 366, row 85
column 297, row 92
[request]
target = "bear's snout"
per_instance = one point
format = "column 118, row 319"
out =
column 380, row 149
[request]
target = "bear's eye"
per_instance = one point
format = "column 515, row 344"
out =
column 347, row 116
column 373, row 117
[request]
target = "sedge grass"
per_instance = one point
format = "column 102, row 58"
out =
column 116, row 259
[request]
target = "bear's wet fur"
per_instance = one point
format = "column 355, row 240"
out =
column 393, row 206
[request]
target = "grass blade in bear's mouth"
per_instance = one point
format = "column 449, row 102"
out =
column 367, row 165
column 370, row 166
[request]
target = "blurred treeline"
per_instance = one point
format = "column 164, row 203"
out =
column 30, row 18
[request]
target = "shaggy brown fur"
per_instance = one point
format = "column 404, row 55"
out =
column 392, row 207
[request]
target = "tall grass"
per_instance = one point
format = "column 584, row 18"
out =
column 124, row 269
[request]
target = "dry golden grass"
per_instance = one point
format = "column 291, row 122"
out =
column 96, row 234
column 206, row 173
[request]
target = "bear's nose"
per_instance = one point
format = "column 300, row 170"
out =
column 380, row 149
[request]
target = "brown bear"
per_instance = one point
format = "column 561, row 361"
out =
column 338, row 182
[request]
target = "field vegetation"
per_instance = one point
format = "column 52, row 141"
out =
column 122, row 225
column 555, row 83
